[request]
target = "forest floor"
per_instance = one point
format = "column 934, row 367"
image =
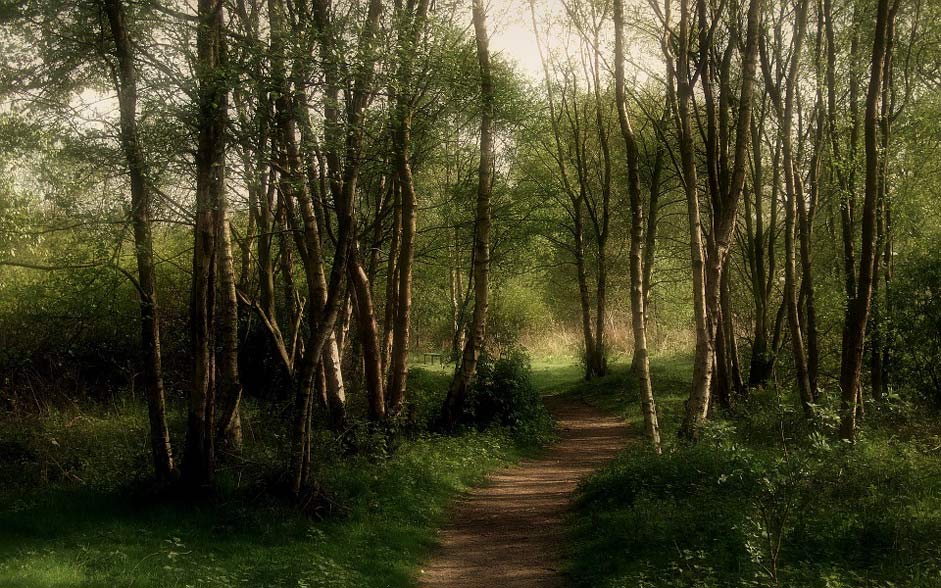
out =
column 520, row 511
column 75, row 511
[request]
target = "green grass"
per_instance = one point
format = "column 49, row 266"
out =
column 551, row 375
column 700, row 516
column 617, row 393
column 556, row 375
column 84, row 522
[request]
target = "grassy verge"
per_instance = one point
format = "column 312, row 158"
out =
column 763, row 500
column 68, row 516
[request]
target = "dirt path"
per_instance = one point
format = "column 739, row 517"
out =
column 509, row 533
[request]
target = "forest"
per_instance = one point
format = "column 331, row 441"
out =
column 470, row 293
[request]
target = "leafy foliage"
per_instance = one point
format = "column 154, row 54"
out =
column 762, row 500
column 504, row 395
column 915, row 326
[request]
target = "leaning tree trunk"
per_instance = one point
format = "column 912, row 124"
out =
column 126, row 83
column 464, row 375
column 638, row 315
column 343, row 180
column 857, row 309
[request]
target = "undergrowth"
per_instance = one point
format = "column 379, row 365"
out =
column 72, row 512
column 764, row 500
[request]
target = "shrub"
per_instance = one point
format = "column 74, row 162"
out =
column 504, row 395
column 739, row 509
column 913, row 323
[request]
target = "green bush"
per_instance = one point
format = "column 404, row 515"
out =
column 504, row 395
column 914, row 327
column 739, row 509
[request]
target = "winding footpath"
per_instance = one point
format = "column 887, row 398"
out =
column 509, row 533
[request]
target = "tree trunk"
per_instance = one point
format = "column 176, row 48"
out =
column 653, row 213
column 229, row 427
column 879, row 351
column 333, row 383
column 466, row 372
column 601, row 218
column 638, row 317
column 857, row 310
column 583, row 295
column 698, row 404
column 126, row 86
column 369, row 337
column 405, row 106
column 791, row 181
column 805, row 214
column 458, row 332
column 199, row 461
column 707, row 271
column 392, row 278
column 762, row 360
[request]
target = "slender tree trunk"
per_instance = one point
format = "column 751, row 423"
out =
column 857, row 311
column 229, row 426
column 650, row 236
column 577, row 201
column 583, row 295
column 845, row 164
column 392, row 278
column 458, row 331
column 400, row 344
column 808, row 211
column 879, row 349
column 729, row 344
column 466, row 372
column 369, row 337
column 126, row 86
column 805, row 211
column 791, row 181
column 601, row 218
column 761, row 362
column 406, row 252
column 333, row 382
column 638, row 318
column 199, row 461
column 698, row 404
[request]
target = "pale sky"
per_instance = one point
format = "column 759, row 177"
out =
column 512, row 31
column 511, row 35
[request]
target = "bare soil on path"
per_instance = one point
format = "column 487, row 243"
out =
column 509, row 533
